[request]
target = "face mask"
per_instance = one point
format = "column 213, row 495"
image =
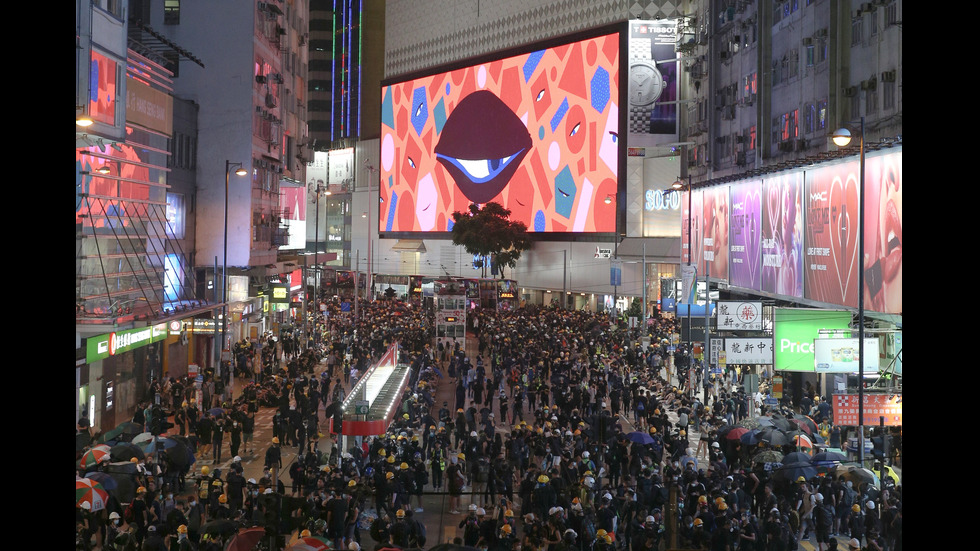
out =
column 116, row 522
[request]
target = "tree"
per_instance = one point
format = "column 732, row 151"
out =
column 489, row 231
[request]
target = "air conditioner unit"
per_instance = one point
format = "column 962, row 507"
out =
column 270, row 100
column 888, row 76
column 808, row 41
column 867, row 7
column 263, row 6
column 276, row 77
column 260, row 79
column 821, row 33
column 850, row 91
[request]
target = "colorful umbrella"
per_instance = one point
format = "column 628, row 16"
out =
column 802, row 441
column 311, row 543
column 246, row 540
column 91, row 492
column 94, row 456
column 736, row 433
column 767, row 456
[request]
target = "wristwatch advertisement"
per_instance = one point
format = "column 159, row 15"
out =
column 652, row 77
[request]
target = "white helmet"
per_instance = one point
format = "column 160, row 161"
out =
column 585, row 455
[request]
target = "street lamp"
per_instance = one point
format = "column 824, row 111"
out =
column 841, row 138
column 677, row 186
column 240, row 171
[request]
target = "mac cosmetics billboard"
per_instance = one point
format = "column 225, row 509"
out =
column 536, row 130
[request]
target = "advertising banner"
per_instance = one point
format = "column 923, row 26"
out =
column 837, row 355
column 537, row 132
column 692, row 225
column 794, row 331
column 782, row 235
column 745, row 227
column 292, row 203
column 883, row 233
column 739, row 316
column 876, row 406
column 749, row 351
column 653, row 81
column 716, row 232
column 102, row 82
column 831, row 259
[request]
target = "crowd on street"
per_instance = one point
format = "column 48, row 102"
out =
column 562, row 432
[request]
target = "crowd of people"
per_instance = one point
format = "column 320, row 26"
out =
column 563, row 432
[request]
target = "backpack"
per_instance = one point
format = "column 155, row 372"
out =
column 130, row 513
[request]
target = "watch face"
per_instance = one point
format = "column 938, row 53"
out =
column 646, row 84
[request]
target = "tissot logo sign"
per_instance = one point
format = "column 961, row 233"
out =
column 794, row 332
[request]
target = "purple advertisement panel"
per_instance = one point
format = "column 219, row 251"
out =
column 883, row 233
column 716, row 232
column 782, row 235
column 745, row 223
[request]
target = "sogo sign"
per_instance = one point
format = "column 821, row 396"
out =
column 794, row 332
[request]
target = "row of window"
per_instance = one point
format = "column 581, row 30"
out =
column 860, row 23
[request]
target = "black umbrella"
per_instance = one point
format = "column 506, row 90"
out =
column 782, row 423
column 125, row 475
column 220, row 527
column 791, row 472
column 773, row 437
column 828, row 456
column 124, row 451
column 178, row 456
column 796, row 457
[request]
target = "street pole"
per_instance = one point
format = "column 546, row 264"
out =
column 564, row 276
column 861, row 304
column 224, row 277
column 643, row 318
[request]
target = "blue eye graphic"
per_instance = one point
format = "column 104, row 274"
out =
column 615, row 136
column 540, row 95
column 575, row 129
column 411, row 162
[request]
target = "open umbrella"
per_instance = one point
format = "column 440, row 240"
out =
column 767, row 456
column 796, row 457
column 802, row 426
column 123, row 432
column 782, row 423
column 640, row 437
column 220, row 527
column 105, row 479
column 142, row 438
column 736, row 433
column 216, row 412
column 749, row 423
column 790, row 472
column 857, row 475
column 91, row 492
column 309, row 543
column 689, row 459
column 246, row 540
column 751, row 437
column 151, row 446
column 807, row 421
column 773, row 437
column 828, row 456
column 126, row 477
column 802, row 441
column 179, row 454
column 124, row 451
column 94, row 456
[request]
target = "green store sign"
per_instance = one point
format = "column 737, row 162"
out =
column 102, row 346
column 794, row 331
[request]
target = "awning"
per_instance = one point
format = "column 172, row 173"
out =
column 409, row 246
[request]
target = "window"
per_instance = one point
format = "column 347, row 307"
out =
column 871, row 102
column 810, row 121
column 794, row 63
column 856, row 105
column 751, row 136
column 857, row 31
column 874, row 23
column 171, row 12
column 888, row 95
column 175, row 215
column 821, row 50
column 810, row 55
column 822, row 115
column 891, row 14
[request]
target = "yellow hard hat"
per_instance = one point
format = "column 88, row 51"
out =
column 352, row 483
column 462, row 456
column 405, row 416
column 382, row 452
column 390, row 475
column 601, row 533
column 182, row 529
column 653, row 430
column 683, row 432
column 506, row 529
column 856, row 508
column 608, row 538
column 460, row 410
column 543, row 479
column 305, row 534
column 133, row 460
column 698, row 522
column 703, row 499
column 508, row 513
column 800, row 480
column 222, row 498
column 400, row 513
column 656, row 412
column 719, row 500
column 391, row 459
column 404, row 465
column 325, row 468
column 723, row 506
column 141, row 490
column 275, row 439
column 205, row 470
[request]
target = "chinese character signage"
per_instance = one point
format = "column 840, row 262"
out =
column 754, row 351
column 739, row 316
column 876, row 406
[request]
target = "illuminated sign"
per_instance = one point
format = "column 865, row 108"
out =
column 536, row 131
column 506, row 295
column 794, row 331
column 110, row 344
column 279, row 293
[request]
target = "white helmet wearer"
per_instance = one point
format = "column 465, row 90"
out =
column 585, row 455
column 472, row 507
column 354, row 546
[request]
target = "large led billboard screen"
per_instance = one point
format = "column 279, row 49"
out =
column 536, row 130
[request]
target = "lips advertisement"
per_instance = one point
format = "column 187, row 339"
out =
column 883, row 233
column 782, row 235
column 536, row 132
column 745, row 223
column 831, row 256
column 716, row 232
